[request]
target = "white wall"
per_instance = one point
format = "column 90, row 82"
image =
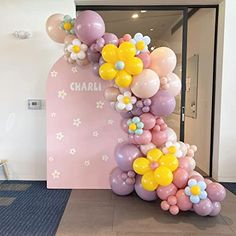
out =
column 24, row 66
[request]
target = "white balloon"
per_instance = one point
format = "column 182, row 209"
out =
column 171, row 135
column 183, row 148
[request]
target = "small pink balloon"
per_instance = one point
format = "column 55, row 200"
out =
column 184, row 164
column 124, row 125
column 174, row 210
column 144, row 138
column 127, row 37
column 180, row 178
column 145, row 148
column 148, row 120
column 216, row 209
column 207, row 181
column 159, row 138
column 204, row 207
column 145, row 57
column 193, row 173
column 172, row 200
column 197, row 177
column 216, row 192
column 165, row 206
column 183, row 201
column 163, row 192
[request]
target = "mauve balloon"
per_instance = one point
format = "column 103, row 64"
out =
column 118, row 185
column 216, row 209
column 163, row 192
column 142, row 193
column 125, row 154
column 93, row 57
column 216, row 192
column 163, row 103
column 89, row 26
column 204, row 207
column 110, row 38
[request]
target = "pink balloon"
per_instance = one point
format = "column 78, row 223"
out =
column 216, row 192
column 159, row 138
column 183, row 201
column 148, row 120
column 163, row 192
column 163, row 61
column 184, row 164
column 174, row 210
column 145, row 148
column 216, row 209
column 124, row 125
column 165, row 206
column 146, row 59
column 207, row 181
column 174, row 83
column 180, row 178
column 144, row 138
column 89, row 26
column 131, row 139
column 172, row 200
column 146, row 84
column 197, row 177
column 204, row 207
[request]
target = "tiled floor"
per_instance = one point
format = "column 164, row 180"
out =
column 102, row 213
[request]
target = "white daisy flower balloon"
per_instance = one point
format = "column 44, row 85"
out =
column 77, row 50
column 125, row 101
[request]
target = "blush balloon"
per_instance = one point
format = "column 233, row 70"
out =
column 163, row 192
column 144, row 138
column 146, row 59
column 180, row 178
column 159, row 138
column 148, row 120
column 183, row 201
column 174, row 210
column 184, row 164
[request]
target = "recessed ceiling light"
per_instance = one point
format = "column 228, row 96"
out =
column 152, row 48
column 151, row 29
column 135, row 15
column 143, row 11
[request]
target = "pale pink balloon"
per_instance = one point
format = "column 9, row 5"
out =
column 144, row 138
column 197, row 177
column 174, row 210
column 165, row 206
column 180, row 178
column 174, row 82
column 171, row 135
column 183, row 201
column 193, row 173
column 216, row 209
column 163, row 192
column 207, row 181
column 147, row 147
column 163, row 61
column 146, row 59
column 148, row 120
column 146, row 84
column 172, row 200
column 216, row 192
column 69, row 38
column 183, row 148
column 192, row 162
column 124, row 125
column 54, row 31
column 159, row 138
column 184, row 163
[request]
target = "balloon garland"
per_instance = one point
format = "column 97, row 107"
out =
column 152, row 162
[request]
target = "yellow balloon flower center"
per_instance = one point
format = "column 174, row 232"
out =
column 67, row 26
column 132, row 126
column 172, row 149
column 126, row 100
column 195, row 190
column 76, row 49
column 140, row 45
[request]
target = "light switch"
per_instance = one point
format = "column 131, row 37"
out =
column 34, row 104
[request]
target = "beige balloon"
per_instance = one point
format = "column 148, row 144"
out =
column 53, row 28
column 69, row 38
column 111, row 94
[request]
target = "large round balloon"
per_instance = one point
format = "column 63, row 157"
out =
column 163, row 103
column 118, row 184
column 174, row 82
column 89, row 26
column 146, row 84
column 125, row 154
column 55, row 32
column 163, row 61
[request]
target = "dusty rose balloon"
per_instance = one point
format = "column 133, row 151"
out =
column 93, row 57
column 89, row 26
column 118, row 185
column 144, row 138
column 203, row 208
column 111, row 93
column 69, row 38
column 146, row 84
column 145, row 148
column 125, row 154
column 174, row 210
column 197, row 177
column 184, row 164
column 163, row 103
column 180, row 178
column 163, row 192
column 183, row 201
column 110, row 38
column 171, row 135
column 124, row 125
column 216, row 209
column 174, row 83
column 163, row 61
column 137, row 111
column 146, row 59
column 148, row 120
column 142, row 193
column 53, row 28
column 159, row 138
column 172, row 200
column 216, row 192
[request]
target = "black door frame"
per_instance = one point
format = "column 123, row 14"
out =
column 185, row 10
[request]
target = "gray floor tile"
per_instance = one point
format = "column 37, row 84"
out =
column 228, row 213
column 6, row 201
column 148, row 234
column 14, row 187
